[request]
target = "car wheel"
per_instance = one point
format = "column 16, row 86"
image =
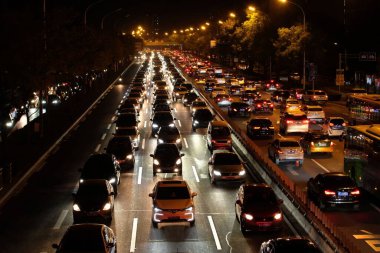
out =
column 243, row 228
column 154, row 224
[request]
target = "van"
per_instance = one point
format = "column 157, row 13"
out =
column 218, row 136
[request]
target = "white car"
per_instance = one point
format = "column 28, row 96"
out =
column 314, row 113
column 335, row 126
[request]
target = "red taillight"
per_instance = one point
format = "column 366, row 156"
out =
column 271, row 105
column 329, row 193
column 258, row 105
column 331, row 124
column 314, row 96
column 230, row 99
column 289, row 121
column 305, row 121
column 355, row 192
column 312, row 143
column 280, row 151
column 267, row 84
column 218, row 99
column 344, row 124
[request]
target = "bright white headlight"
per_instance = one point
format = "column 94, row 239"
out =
column 217, row 173
column 242, row 173
column 178, row 162
column 76, row 207
column 178, row 140
column 277, row 216
column 171, row 125
column 156, row 162
column 154, row 125
column 129, row 156
column 112, row 180
column 107, row 207
column 160, row 141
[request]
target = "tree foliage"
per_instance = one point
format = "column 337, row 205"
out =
column 290, row 41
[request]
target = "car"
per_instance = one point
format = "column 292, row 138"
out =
column 260, row 127
column 225, row 166
column 336, row 126
column 249, row 95
column 167, row 159
column 218, row 136
column 209, row 85
column 163, row 107
column 132, row 132
column 290, row 105
column 160, row 85
column 189, row 98
column 172, row 201
column 333, row 189
column 161, row 119
column 188, row 86
column 136, row 95
column 223, row 100
column 289, row 244
column 134, row 101
column 262, row 105
column 160, row 101
column 101, row 166
column 280, row 96
column 201, row 118
column 197, row 104
column 314, row 113
column 235, row 89
column 52, row 100
column 295, row 122
column 90, row 237
column 239, row 109
column 218, row 90
column 161, row 92
column 286, row 150
column 318, row 96
column 122, row 148
column 127, row 106
column 178, row 92
column 167, row 134
column 93, row 202
column 316, row 142
column 298, row 93
column 272, row 85
column 257, row 208
column 126, row 120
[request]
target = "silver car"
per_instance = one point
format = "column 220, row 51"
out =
column 286, row 150
column 225, row 166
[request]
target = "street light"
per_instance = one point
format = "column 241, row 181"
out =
column 232, row 15
column 304, row 30
column 88, row 8
column 251, row 8
column 108, row 14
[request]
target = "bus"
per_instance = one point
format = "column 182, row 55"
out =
column 364, row 109
column 362, row 157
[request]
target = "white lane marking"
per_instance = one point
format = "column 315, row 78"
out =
column 60, row 220
column 109, row 126
column 376, row 207
column 293, row 172
column 179, row 123
column 97, row 148
column 119, row 106
column 103, row 136
column 320, row 165
column 175, row 109
column 145, row 124
column 195, row 174
column 113, row 119
column 291, row 226
column 203, row 176
column 116, row 112
column 214, row 233
column 143, row 144
column 146, row 110
column 365, row 231
column 139, row 176
column 228, row 243
column 280, row 135
column 134, row 234
column 185, row 141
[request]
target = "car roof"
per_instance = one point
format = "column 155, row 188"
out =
column 219, row 123
column 171, row 183
column 283, row 139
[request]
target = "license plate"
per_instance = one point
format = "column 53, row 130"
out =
column 174, row 218
column 322, row 144
column 342, row 194
column 92, row 214
column 263, row 224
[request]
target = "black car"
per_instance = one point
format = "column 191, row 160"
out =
column 126, row 120
column 332, row 189
column 280, row 96
column 164, row 107
column 167, row 134
column 161, row 119
column 89, row 237
column 260, row 127
column 160, row 101
column 122, row 148
column 94, row 202
column 289, row 245
column 257, row 208
column 262, row 105
column 102, row 166
column 167, row 159
column 201, row 118
column 189, row 98
column 239, row 109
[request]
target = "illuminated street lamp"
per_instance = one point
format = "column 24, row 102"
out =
column 88, row 8
column 207, row 23
column 220, row 22
column 251, row 8
column 304, row 30
column 232, row 15
column 203, row 27
column 108, row 14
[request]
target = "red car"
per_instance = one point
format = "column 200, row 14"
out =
column 262, row 106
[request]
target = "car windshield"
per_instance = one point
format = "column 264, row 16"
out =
column 169, row 131
column 167, row 150
column 314, row 109
column 289, row 144
column 199, row 104
column 168, row 193
column 256, row 196
column 203, row 114
column 226, row 159
column 220, row 131
column 92, row 191
column 78, row 240
column 320, row 93
column 337, row 121
column 119, row 145
column 163, row 117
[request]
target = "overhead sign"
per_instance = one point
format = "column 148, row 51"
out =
column 367, row 56
column 339, row 79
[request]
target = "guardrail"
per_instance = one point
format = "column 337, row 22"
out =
column 323, row 225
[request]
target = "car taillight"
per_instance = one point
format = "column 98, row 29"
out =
column 344, row 124
column 329, row 193
column 267, row 84
column 258, row 105
column 271, row 105
column 355, row 192
column 314, row 96
column 280, row 151
column 331, row 124
column 305, row 121
column 218, row 99
column 312, row 143
column 230, row 99
column 289, row 122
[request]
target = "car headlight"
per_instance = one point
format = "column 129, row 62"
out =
column 129, row 157
column 156, row 162
column 242, row 173
column 76, row 207
column 160, row 141
column 217, row 173
column 9, row 123
column 178, row 140
column 277, row 216
column 248, row 216
column 171, row 125
column 112, row 180
column 155, row 125
column 44, row 102
column 179, row 161
column 157, row 210
column 196, row 122
column 81, row 180
column 107, row 207
column 54, row 102
column 189, row 209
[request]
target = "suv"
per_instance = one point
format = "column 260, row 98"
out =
column 172, row 202
column 285, row 149
column 294, row 123
column 318, row 96
column 218, row 136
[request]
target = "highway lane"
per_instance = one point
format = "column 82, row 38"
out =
column 41, row 212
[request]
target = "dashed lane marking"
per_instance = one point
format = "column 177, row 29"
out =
column 214, row 233
column 320, row 165
column 134, row 235
column 60, row 220
column 103, row 136
column 185, row 141
column 97, row 148
column 195, row 174
column 139, row 176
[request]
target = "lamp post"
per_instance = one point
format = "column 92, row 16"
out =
column 108, row 14
column 87, row 9
column 304, row 30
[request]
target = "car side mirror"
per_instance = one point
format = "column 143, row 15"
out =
column 55, row 246
column 238, row 202
column 194, row 194
column 150, row 195
column 151, row 155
